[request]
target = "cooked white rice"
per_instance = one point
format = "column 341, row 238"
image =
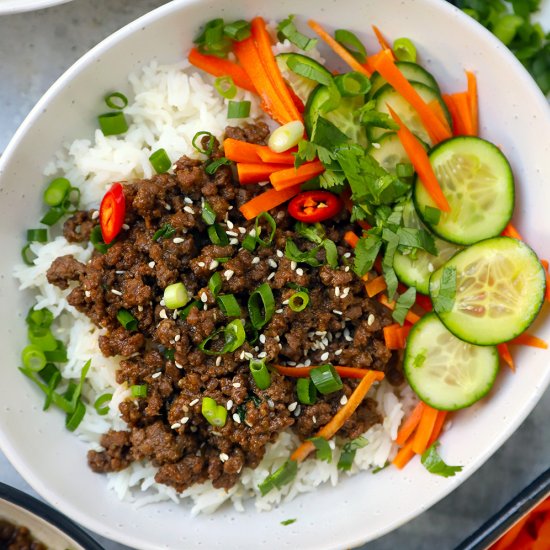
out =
column 169, row 105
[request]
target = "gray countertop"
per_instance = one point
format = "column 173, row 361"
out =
column 36, row 48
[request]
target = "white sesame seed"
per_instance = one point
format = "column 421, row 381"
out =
column 162, row 303
column 236, row 418
column 87, row 293
column 140, row 308
column 285, row 302
column 347, row 335
column 262, row 338
column 314, row 419
column 187, row 200
column 120, row 272
column 218, row 361
column 376, row 145
column 272, row 263
column 324, row 357
column 346, row 269
column 236, row 384
column 194, row 402
column 232, row 233
column 370, row 319
column 156, row 375
column 125, row 226
column 175, row 425
column 293, row 265
column 201, row 264
column 95, row 214
column 345, row 292
column 338, row 352
column 337, row 291
column 241, row 356
column 270, row 403
column 278, row 311
column 298, row 410
column 307, row 362
column 204, row 297
column 229, row 404
column 178, row 365
column 230, row 224
column 233, row 241
column 188, row 209
column 292, row 406
column 337, row 312
column 175, row 316
column 256, row 260
column 343, row 400
column 213, row 264
column 205, row 307
column 248, row 355
column 262, row 354
column 230, row 207
column 177, row 240
column 151, row 264
column 224, row 457
column 168, row 207
column 228, row 273
column 184, row 420
column 177, row 337
column 116, row 292
column 271, row 275
column 252, row 232
column 162, row 314
column 299, row 272
column 241, row 230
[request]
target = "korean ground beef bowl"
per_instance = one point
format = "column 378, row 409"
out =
column 358, row 508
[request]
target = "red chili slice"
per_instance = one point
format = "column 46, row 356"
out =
column 112, row 212
column 314, row 206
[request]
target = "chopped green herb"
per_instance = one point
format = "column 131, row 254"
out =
column 380, row 468
column 165, row 232
column 213, row 166
column 435, row 465
column 348, row 452
column 283, row 475
column 292, row 252
column 403, row 304
column 237, row 30
column 288, row 521
column 365, row 254
column 324, row 452
column 432, row 215
column 444, row 299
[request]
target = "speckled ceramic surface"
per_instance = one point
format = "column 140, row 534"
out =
column 514, row 115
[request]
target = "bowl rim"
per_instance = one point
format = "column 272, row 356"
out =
column 174, row 6
column 12, row 7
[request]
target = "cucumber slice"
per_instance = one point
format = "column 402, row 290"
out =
column 387, row 95
column 416, row 268
column 389, row 152
column 345, row 117
column 445, row 372
column 301, row 85
column 479, row 186
column 413, row 72
column 500, row 286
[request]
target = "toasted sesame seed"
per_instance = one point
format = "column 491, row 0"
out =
column 370, row 319
column 343, row 400
column 338, row 352
column 194, row 402
column 228, row 273
column 337, row 312
column 314, row 419
column 177, row 240
column 184, row 420
column 116, row 292
column 292, row 406
column 271, row 275
column 175, row 425
column 325, row 355
column 125, row 226
column 262, row 338
column 293, row 265
column 204, row 297
column 213, row 264
column 188, row 209
column 187, row 200
column 95, row 214
column 299, row 272
column 87, row 293
column 218, row 361
column 236, row 418
column 201, row 264
column 156, row 375
column 256, row 260
column 346, row 269
column 272, row 263
column 337, row 291
column 168, row 207
column 151, row 264
column 162, row 314
column 224, row 457
column 236, row 384
column 229, row 224
column 229, row 404
column 177, row 337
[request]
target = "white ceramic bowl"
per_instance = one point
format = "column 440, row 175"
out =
column 514, row 114
column 18, row 6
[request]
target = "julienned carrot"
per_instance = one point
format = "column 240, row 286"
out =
column 266, row 201
column 338, row 49
column 462, row 103
column 255, row 172
column 410, row 424
column 473, row 101
column 267, row 155
column 377, row 285
column 250, row 60
column 506, row 356
column 425, row 429
column 435, row 106
column 381, row 40
column 404, row 455
column 303, row 372
column 458, row 126
column 339, row 419
column 411, row 316
column 419, row 159
column 395, row 336
column 221, row 67
column 351, row 238
column 263, row 45
column 511, row 231
column 282, row 179
column 438, row 426
column 242, row 151
column 526, row 339
column 372, row 59
column 387, row 69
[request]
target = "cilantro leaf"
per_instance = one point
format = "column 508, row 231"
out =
column 331, row 253
column 444, row 297
column 365, row 253
column 324, row 452
column 392, row 240
column 373, row 118
column 348, row 452
column 292, row 252
column 308, row 151
column 326, row 134
column 435, row 465
column 330, row 179
column 403, row 304
column 417, row 238
column 313, row 232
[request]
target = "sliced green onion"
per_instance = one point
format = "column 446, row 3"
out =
column 139, row 390
column 229, row 305
column 352, row 44
column 52, row 216
column 273, row 226
column 74, row 419
column 308, row 71
column 208, row 214
column 283, row 475
column 261, row 306
column 160, row 161
column 39, row 318
column 56, row 191
column 183, row 314
column 165, row 232
column 52, row 376
column 96, row 238
column 348, row 452
column 404, row 50
column 352, row 84
column 27, row 255
column 306, row 391
column 37, row 235
column 126, row 319
column 225, row 87
column 58, row 355
column 223, row 259
column 33, row 358
column 215, row 284
column 175, row 296
column 286, row 136
column 286, row 29
column 217, row 235
column 324, row 452
column 238, row 109
column 326, row 379
column 112, row 124
column 260, row 373
column 249, row 243
column 211, row 140
column 237, row 30
column 298, row 301
column 71, row 200
column 116, row 100
column 404, row 170
column 215, row 414
column 212, row 168
column 332, row 101
column 234, row 337
column 42, row 338
column 100, row 402
column 212, row 40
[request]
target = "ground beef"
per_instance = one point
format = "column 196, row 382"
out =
column 17, row 537
column 165, row 241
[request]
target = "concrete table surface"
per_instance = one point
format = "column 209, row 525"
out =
column 36, row 48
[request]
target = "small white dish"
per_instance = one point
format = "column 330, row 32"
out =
column 19, row 6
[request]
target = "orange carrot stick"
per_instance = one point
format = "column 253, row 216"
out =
column 473, row 101
column 381, row 40
column 424, row 430
column 526, row 339
column 395, row 336
column 266, row 201
column 387, row 69
column 410, row 424
column 242, row 151
column 343, row 414
column 263, row 45
column 511, row 231
column 419, row 158
column 438, row 426
column 506, row 356
column 267, row 155
column 338, row 49
column 435, row 106
column 221, row 67
column 461, row 101
column 404, row 455
column 255, row 172
column 250, row 60
column 293, row 176
column 376, row 286
column 351, row 239
column 304, row 372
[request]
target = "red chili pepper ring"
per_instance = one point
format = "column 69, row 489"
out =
column 314, row 206
column 112, row 212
